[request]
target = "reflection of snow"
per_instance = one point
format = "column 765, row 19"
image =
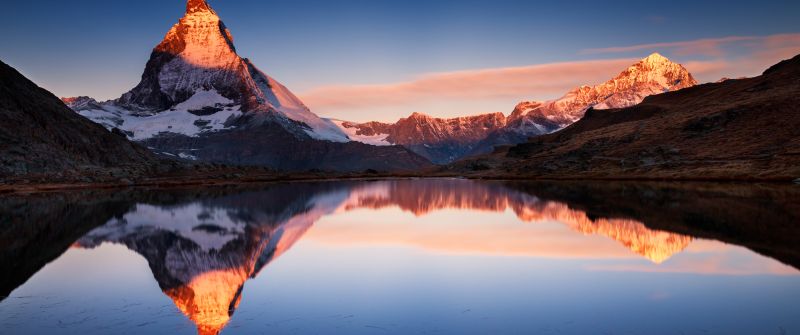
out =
column 210, row 228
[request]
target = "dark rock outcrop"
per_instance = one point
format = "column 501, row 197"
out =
column 40, row 138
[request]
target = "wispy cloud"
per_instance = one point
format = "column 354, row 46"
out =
column 713, row 47
column 512, row 82
column 750, row 58
column 708, row 46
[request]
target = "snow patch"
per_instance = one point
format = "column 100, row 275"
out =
column 203, row 98
column 352, row 133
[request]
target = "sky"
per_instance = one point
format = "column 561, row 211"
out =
column 383, row 60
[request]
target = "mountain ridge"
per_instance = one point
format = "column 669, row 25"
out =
column 441, row 140
column 444, row 141
column 653, row 74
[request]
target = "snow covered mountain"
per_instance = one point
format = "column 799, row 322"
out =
column 652, row 75
column 446, row 140
column 440, row 140
column 197, row 93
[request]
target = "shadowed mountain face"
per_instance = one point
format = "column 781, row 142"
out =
column 744, row 129
column 203, row 245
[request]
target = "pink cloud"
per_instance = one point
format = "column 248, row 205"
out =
column 513, row 82
column 757, row 57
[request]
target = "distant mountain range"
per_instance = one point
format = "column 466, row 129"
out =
column 447, row 140
column 199, row 100
column 440, row 140
column 742, row 129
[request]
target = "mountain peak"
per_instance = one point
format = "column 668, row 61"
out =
column 656, row 58
column 193, row 6
column 652, row 75
column 418, row 115
column 656, row 69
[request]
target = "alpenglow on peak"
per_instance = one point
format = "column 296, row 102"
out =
column 197, row 5
column 656, row 58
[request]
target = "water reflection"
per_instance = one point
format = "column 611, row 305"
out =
column 202, row 246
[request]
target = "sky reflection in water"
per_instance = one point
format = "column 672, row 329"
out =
column 422, row 256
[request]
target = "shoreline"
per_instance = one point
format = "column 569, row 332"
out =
column 169, row 183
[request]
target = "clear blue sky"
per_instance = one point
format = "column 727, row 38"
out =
column 99, row 48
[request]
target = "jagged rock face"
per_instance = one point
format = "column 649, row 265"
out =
column 197, row 53
column 41, row 138
column 424, row 129
column 440, row 140
column 652, row 75
column 81, row 103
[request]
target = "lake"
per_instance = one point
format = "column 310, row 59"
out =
column 419, row 256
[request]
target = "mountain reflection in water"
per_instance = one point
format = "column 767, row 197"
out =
column 202, row 246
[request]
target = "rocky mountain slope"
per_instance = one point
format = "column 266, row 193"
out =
column 747, row 129
column 40, row 138
column 446, row 140
column 439, row 140
column 199, row 100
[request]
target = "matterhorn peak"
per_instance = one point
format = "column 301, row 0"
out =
column 196, row 67
column 193, row 6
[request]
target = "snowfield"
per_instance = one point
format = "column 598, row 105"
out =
column 178, row 120
column 352, row 133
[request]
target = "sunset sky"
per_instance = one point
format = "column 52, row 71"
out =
column 382, row 60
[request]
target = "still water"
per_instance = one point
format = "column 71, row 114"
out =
column 440, row 256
